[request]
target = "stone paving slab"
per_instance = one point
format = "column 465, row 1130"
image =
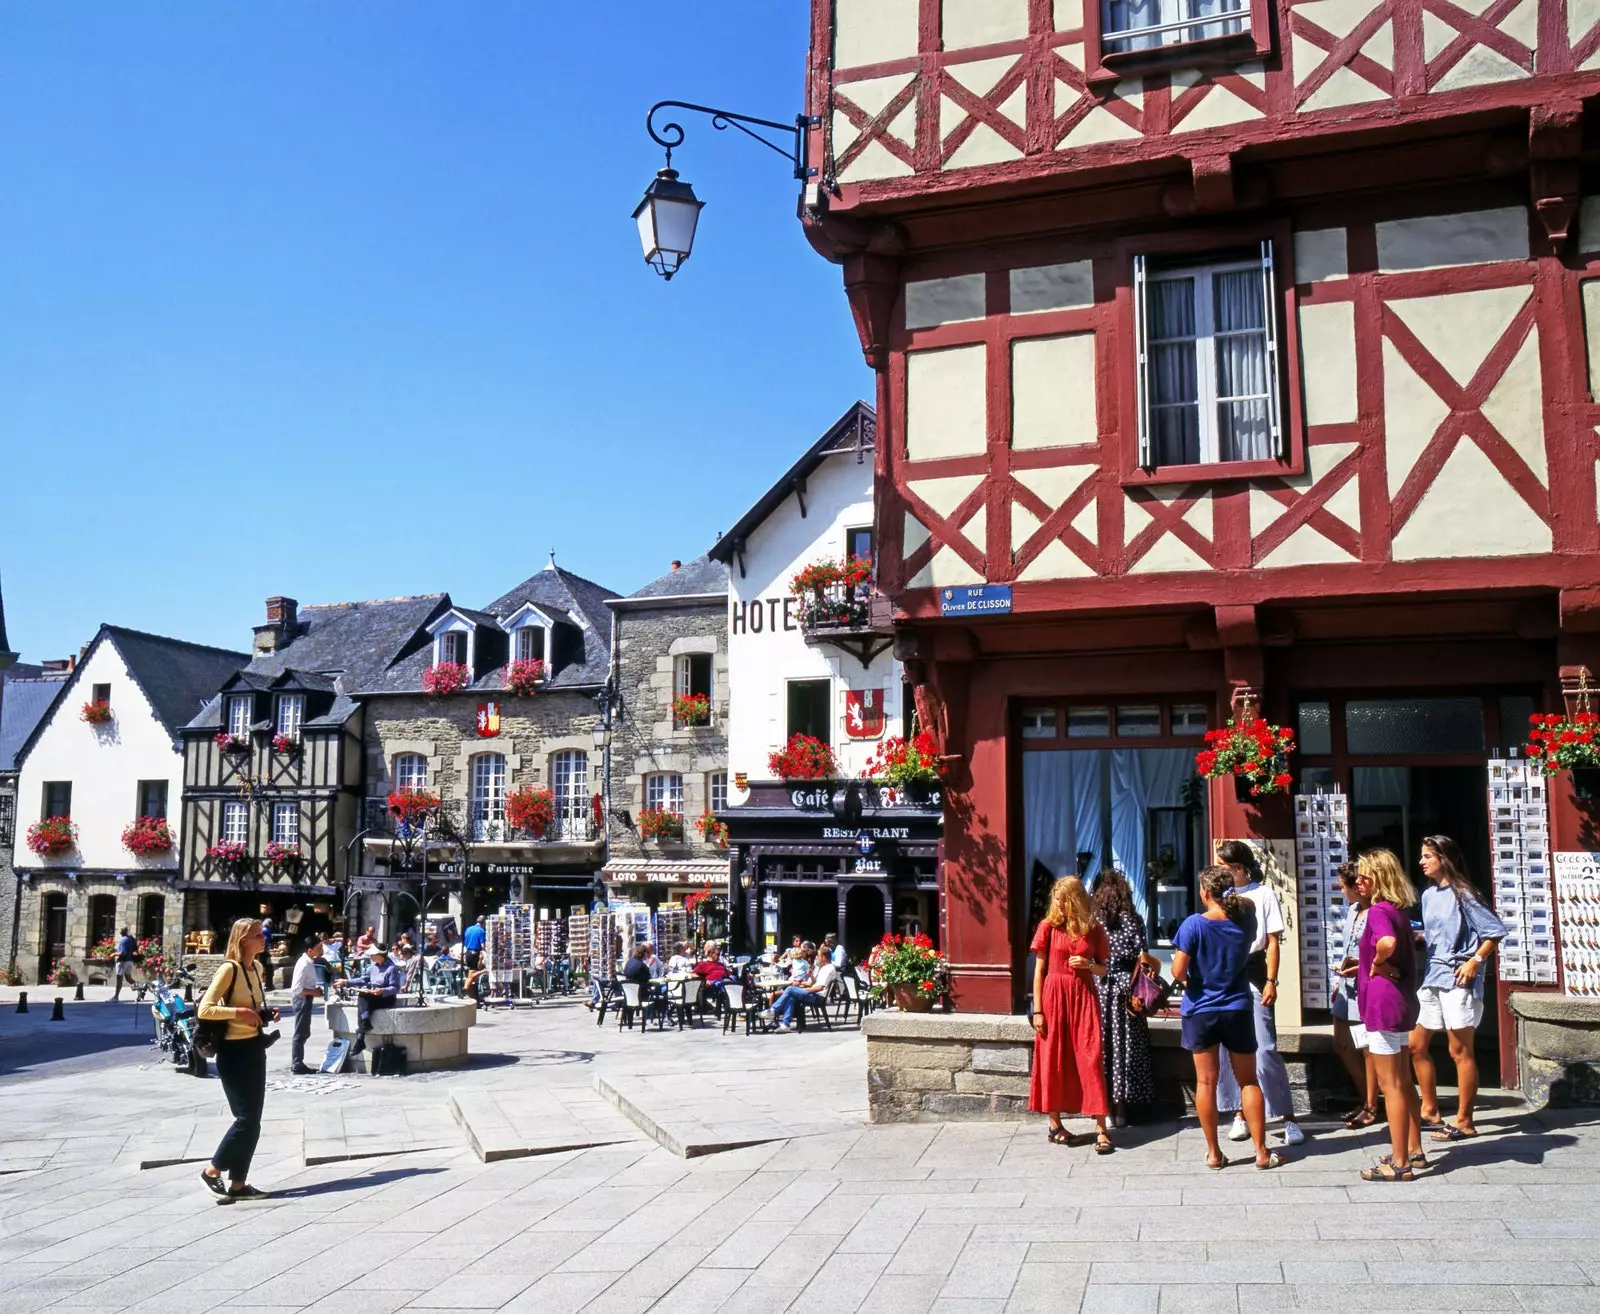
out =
column 503, row 1125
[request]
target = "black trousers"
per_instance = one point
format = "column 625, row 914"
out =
column 302, row 1029
column 242, row 1069
column 366, row 1005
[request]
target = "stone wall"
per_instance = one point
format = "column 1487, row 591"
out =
column 1558, row 1049
column 8, row 879
column 128, row 894
column 644, row 740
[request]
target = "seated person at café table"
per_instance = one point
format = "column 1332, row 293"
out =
column 711, row 969
column 379, row 988
column 637, row 968
column 794, row 996
column 680, row 961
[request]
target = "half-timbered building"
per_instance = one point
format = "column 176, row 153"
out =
column 274, row 766
column 1224, row 351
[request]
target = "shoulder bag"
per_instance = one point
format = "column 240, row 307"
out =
column 1148, row 992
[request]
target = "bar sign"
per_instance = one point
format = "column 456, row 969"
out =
column 975, row 600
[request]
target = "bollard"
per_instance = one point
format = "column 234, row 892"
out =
column 58, row 1014
column 188, row 993
column 78, row 997
column 22, row 1002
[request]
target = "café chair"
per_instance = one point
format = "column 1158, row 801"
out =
column 854, row 997
column 817, row 1004
column 634, row 1001
column 735, row 1007
column 684, row 1000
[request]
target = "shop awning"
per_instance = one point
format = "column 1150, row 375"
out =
column 666, row 871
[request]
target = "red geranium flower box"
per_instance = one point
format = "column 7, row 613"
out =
column 803, row 758
column 146, row 837
column 52, row 837
column 531, row 808
column 446, row 678
column 660, row 824
column 96, row 712
column 524, row 678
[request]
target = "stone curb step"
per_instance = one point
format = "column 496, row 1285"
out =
column 493, row 1137
column 687, row 1139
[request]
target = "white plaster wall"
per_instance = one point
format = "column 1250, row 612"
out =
column 1328, row 361
column 946, row 402
column 981, row 22
column 105, row 765
column 873, row 31
column 838, row 497
column 1052, row 391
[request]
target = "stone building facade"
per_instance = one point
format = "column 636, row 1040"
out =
column 669, row 641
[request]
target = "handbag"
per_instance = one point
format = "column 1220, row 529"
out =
column 1148, row 992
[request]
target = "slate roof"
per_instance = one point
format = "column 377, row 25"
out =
column 697, row 578
column 23, row 703
column 359, row 643
column 557, row 591
column 855, row 430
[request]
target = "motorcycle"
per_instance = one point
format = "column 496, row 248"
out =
column 175, row 1023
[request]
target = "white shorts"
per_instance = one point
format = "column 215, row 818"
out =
column 1454, row 1009
column 122, row 967
column 1387, row 1042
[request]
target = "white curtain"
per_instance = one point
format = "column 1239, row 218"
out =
column 1243, row 430
column 1141, row 779
column 1062, row 805
column 1174, row 385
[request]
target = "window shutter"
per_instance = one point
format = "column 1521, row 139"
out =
column 1269, row 292
column 1141, row 340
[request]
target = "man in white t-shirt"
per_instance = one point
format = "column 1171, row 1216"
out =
column 1265, row 949
column 804, row 993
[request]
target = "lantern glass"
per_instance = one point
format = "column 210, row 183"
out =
column 602, row 734
column 667, row 217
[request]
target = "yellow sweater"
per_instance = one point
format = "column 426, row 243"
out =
column 230, row 990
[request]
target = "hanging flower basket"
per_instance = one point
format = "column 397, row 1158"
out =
column 1563, row 743
column 411, row 807
column 711, row 830
column 52, row 837
column 907, row 971
column 1253, row 751
column 446, row 678
column 235, row 744
column 691, row 710
column 147, row 837
column 285, row 746
column 524, row 678
column 531, row 808
column 96, row 712
column 910, row 768
column 803, row 758
column 660, row 824
column 283, row 857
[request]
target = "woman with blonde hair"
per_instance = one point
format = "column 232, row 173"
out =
column 236, row 996
column 1386, row 997
column 1071, row 951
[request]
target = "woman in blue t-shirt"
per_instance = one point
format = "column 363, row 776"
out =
column 1212, row 961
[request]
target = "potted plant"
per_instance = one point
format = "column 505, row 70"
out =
column 711, row 830
column 97, row 711
column 660, row 824
column 147, row 837
column 531, row 808
column 12, row 975
column 231, row 743
column 1567, row 743
column 524, row 678
column 285, row 745
column 411, row 807
column 152, row 957
column 803, row 758
column 283, row 857
column 61, row 974
column 691, row 710
column 910, row 768
column 1253, row 751
column 446, row 678
column 52, row 837
column 908, row 972
column 229, row 855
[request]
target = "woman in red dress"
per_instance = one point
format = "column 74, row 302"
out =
column 1071, row 949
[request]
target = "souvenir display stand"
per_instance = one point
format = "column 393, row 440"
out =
column 1519, row 840
column 1577, row 878
column 1322, row 844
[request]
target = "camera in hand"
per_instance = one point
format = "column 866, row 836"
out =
column 268, row 1015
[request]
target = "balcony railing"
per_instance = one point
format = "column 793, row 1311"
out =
column 562, row 830
column 854, row 617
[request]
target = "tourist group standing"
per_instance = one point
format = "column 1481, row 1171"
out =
column 1403, row 981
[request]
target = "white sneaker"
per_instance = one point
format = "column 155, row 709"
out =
column 1240, row 1131
column 766, row 1015
column 1292, row 1133
column 790, row 1026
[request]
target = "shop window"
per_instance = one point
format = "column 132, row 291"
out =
column 291, row 715
column 1207, row 362
column 1138, row 721
column 810, row 707
column 1190, row 718
column 1088, row 723
column 410, row 771
column 1038, row 723
column 1313, row 778
column 57, row 798
column 152, row 798
column 1128, row 25
column 1314, row 729
column 152, row 917
column 663, row 792
column 1515, row 709
column 487, row 802
column 1381, row 727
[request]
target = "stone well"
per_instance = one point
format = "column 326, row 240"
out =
column 1558, row 1048
column 433, row 1035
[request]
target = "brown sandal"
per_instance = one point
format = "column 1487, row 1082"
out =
column 1365, row 1116
column 1059, row 1136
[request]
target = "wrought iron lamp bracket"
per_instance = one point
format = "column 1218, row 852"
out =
column 671, row 134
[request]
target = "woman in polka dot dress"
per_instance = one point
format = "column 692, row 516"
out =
column 1125, row 1039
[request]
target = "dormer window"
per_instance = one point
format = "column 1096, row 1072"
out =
column 240, row 710
column 291, row 715
column 531, row 644
column 451, row 646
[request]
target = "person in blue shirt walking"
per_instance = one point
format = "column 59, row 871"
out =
column 1461, row 934
column 122, row 969
column 472, row 942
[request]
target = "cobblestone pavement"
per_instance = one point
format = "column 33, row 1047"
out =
column 908, row 1218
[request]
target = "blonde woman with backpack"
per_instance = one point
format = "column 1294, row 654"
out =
column 237, row 998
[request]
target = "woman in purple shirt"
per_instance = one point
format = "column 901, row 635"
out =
column 1386, row 994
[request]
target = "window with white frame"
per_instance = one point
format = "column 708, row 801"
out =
column 664, row 792
column 240, row 711
column 530, row 644
column 569, row 786
column 1208, row 361
column 410, row 771
column 236, row 823
column 451, row 646
column 291, row 715
column 286, row 824
column 691, row 675
column 487, row 803
column 717, row 792
column 1149, row 24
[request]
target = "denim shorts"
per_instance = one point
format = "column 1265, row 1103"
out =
column 1235, row 1030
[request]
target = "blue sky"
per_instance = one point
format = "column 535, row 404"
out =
column 342, row 300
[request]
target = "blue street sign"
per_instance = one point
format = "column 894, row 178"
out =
column 975, row 600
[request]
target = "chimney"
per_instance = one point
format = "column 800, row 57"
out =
column 58, row 665
column 283, row 615
column 677, row 565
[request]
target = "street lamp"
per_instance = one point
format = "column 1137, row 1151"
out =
column 670, row 211
column 605, row 700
